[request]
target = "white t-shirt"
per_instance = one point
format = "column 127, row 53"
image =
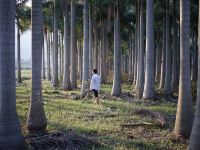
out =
column 95, row 82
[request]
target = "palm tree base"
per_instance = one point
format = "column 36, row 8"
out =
column 37, row 129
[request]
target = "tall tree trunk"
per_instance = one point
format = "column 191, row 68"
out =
column 194, row 57
column 130, row 65
column 85, row 78
column 135, row 59
column 116, row 89
column 102, row 52
column 140, row 85
column 60, row 55
column 52, row 56
column 138, row 42
column 10, row 131
column 195, row 135
column 48, row 56
column 168, row 71
column 158, row 61
column 66, row 74
column 55, row 48
column 95, row 60
column 106, row 57
column 19, row 78
column 36, row 118
column 149, row 89
column 43, row 59
column 133, row 55
column 184, row 116
column 73, row 73
column 163, row 62
column 79, row 60
column 90, row 41
column 174, row 83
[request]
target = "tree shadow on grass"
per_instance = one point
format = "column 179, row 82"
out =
column 108, row 141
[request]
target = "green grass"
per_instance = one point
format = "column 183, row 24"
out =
column 89, row 119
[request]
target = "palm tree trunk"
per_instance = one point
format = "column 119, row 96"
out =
column 43, row 59
column 66, row 75
column 52, row 56
column 140, row 85
column 10, row 131
column 149, row 89
column 138, row 43
column 36, row 118
column 60, row 54
column 19, row 78
column 163, row 62
column 55, row 52
column 102, row 53
column 184, row 115
column 90, row 41
column 174, row 83
column 95, row 42
column 133, row 55
column 168, row 70
column 130, row 59
column 135, row 59
column 85, row 77
column 194, row 143
column 73, row 73
column 79, row 60
column 48, row 56
column 158, row 61
column 194, row 57
column 116, row 89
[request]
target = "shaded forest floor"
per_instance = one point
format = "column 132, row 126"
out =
column 89, row 126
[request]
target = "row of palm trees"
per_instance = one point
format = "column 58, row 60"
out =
column 10, row 131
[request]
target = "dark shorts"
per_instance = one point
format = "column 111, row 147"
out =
column 95, row 93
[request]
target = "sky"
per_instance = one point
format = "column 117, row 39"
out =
column 25, row 45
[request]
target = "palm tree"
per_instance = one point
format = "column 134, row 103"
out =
column 66, row 73
column 195, row 135
column 149, row 89
column 116, row 88
column 36, row 119
column 10, row 131
column 73, row 73
column 85, row 76
column 23, row 23
column 184, row 115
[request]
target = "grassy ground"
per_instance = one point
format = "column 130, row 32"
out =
column 102, row 123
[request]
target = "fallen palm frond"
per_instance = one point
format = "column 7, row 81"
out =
column 155, row 115
column 143, row 124
column 61, row 140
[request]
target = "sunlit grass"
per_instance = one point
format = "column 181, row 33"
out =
column 89, row 119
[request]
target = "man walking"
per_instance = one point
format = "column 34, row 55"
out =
column 95, row 84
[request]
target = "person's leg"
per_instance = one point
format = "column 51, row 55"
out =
column 97, row 100
column 96, row 96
